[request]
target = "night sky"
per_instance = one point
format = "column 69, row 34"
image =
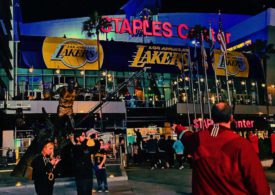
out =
column 38, row 10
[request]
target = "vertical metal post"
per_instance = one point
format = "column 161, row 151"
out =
column 226, row 78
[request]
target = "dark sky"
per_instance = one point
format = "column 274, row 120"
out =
column 37, row 10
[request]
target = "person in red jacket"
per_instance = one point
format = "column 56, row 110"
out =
column 254, row 140
column 223, row 161
column 272, row 140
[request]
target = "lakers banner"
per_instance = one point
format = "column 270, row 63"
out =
column 237, row 64
column 62, row 53
column 150, row 55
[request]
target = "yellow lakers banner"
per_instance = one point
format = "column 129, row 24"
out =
column 237, row 64
column 62, row 53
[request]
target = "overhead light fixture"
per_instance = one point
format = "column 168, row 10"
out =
column 31, row 69
column 57, row 71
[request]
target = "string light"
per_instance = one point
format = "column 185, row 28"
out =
column 31, row 69
column 57, row 71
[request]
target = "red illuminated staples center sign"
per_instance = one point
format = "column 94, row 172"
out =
column 149, row 28
column 240, row 124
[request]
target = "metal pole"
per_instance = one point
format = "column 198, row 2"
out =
column 216, row 85
column 257, row 92
column 99, row 85
column 185, row 90
column 199, row 85
column 205, row 75
column 226, row 78
column 191, row 83
column 187, row 103
column 207, row 92
column 15, row 68
column 84, row 79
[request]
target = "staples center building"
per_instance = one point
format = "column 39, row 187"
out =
column 44, row 55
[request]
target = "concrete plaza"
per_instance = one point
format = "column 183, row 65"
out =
column 141, row 180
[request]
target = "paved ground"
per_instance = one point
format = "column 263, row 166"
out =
column 141, row 181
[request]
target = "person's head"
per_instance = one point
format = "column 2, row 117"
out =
column 151, row 136
column 92, row 136
column 222, row 113
column 48, row 148
column 169, row 137
column 71, row 85
column 80, row 136
column 101, row 143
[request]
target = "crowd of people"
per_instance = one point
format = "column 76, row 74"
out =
column 222, row 161
column 88, row 156
column 159, row 153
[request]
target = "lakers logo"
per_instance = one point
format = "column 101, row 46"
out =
column 236, row 63
column 75, row 54
column 72, row 53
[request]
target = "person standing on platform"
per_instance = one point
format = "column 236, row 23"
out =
column 44, row 170
column 67, row 95
column 223, row 161
column 100, row 168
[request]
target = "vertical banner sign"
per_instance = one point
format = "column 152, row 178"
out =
column 237, row 64
column 62, row 53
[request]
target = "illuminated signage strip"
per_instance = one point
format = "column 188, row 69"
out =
column 149, row 28
column 240, row 124
column 240, row 45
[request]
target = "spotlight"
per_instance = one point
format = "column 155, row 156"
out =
column 57, row 71
column 31, row 69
